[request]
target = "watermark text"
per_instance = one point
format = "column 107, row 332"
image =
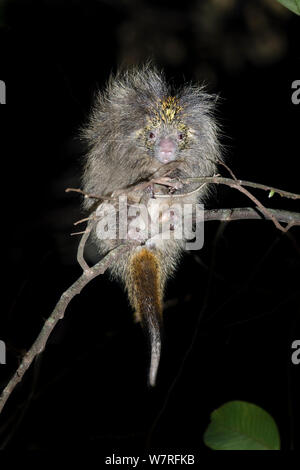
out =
column 2, row 352
column 152, row 224
column 2, row 92
column 296, row 93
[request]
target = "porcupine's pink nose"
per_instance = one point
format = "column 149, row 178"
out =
column 167, row 149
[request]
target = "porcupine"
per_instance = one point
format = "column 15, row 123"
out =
column 138, row 124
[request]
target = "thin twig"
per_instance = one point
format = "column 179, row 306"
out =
column 244, row 213
column 232, row 183
column 80, row 252
column 83, row 220
column 80, row 191
column 77, row 233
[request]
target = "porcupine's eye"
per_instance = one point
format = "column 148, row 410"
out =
column 180, row 136
column 151, row 135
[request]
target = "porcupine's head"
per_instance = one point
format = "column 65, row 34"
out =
column 140, row 120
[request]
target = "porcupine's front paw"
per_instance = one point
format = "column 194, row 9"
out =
column 171, row 183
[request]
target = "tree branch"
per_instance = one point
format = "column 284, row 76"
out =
column 233, row 183
column 228, row 215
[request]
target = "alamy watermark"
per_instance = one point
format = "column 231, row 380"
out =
column 296, row 93
column 2, row 92
column 152, row 223
column 296, row 354
column 2, row 352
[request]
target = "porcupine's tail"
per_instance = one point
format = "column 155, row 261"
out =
column 144, row 285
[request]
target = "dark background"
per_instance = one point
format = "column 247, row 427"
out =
column 232, row 311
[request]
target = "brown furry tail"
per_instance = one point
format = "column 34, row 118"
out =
column 144, row 286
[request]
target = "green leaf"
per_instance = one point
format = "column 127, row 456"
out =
column 293, row 5
column 238, row 425
column 271, row 193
